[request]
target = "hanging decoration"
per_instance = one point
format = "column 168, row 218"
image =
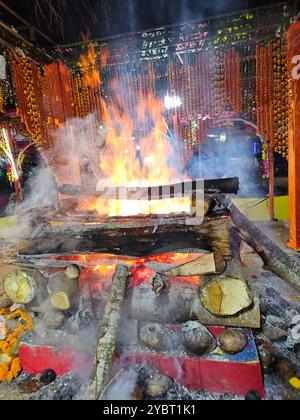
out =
column 281, row 102
column 233, row 79
column 11, row 368
column 265, row 97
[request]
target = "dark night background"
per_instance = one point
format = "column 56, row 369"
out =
column 65, row 20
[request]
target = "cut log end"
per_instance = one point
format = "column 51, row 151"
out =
column 60, row 301
column 206, row 264
column 225, row 296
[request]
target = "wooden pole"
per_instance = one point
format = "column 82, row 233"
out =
column 286, row 266
column 108, row 333
column 293, row 38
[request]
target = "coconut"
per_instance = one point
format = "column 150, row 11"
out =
column 197, row 338
column 73, row 272
column 20, row 286
column 158, row 386
column 233, row 341
column 265, row 350
column 155, row 336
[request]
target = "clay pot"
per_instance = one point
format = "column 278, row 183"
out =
column 233, row 341
column 197, row 339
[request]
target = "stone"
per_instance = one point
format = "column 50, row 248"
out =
column 253, row 396
column 298, row 353
column 154, row 336
column 275, row 321
column 285, row 369
column 263, row 306
column 158, row 386
column 233, row 341
column 265, row 351
column 225, row 296
column 275, row 309
column 267, row 274
column 272, row 292
column 48, row 376
column 197, row 339
column 274, row 334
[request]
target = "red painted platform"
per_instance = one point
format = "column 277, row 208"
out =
column 218, row 373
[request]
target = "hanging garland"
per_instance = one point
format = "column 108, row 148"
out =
column 232, row 61
column 11, row 369
column 280, row 97
column 265, row 98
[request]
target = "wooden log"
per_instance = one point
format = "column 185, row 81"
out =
column 179, row 301
column 30, row 292
column 275, row 258
column 134, row 238
column 63, row 291
column 213, row 263
column 225, row 186
column 5, row 301
column 249, row 314
column 108, row 333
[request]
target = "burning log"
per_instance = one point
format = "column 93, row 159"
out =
column 276, row 259
column 108, row 335
column 137, row 237
column 63, row 291
column 225, row 296
column 179, row 301
column 224, row 186
column 213, row 263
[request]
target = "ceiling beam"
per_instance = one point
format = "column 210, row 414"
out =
column 21, row 38
column 26, row 23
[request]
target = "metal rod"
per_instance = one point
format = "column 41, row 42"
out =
column 21, row 19
column 23, row 39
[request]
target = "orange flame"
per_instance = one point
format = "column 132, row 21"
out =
column 137, row 152
column 90, row 72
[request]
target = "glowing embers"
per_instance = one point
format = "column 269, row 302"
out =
column 98, row 269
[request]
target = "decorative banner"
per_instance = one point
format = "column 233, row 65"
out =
column 293, row 39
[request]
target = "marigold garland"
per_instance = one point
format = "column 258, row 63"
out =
column 10, row 370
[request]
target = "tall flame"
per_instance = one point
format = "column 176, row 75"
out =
column 90, row 72
column 138, row 153
column 136, row 150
